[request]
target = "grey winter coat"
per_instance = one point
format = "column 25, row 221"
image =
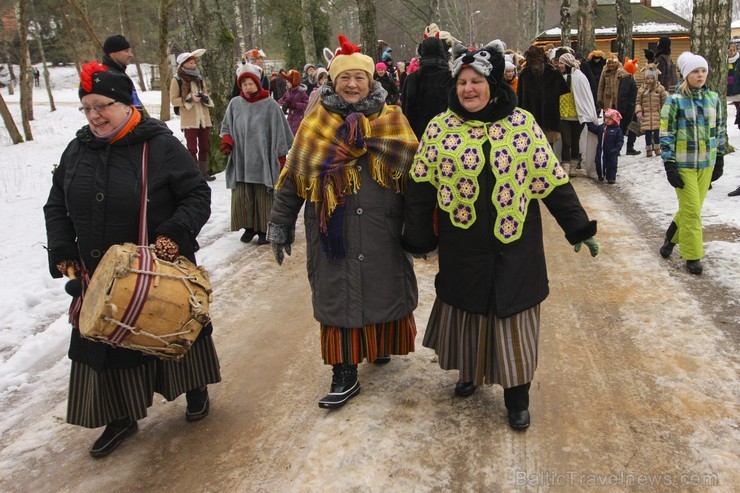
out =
column 375, row 282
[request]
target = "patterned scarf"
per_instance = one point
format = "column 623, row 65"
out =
column 186, row 77
column 322, row 162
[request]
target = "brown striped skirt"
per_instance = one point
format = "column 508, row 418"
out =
column 251, row 204
column 352, row 345
column 97, row 398
column 485, row 347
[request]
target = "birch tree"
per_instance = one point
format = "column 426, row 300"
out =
column 624, row 28
column 368, row 28
column 586, row 36
column 710, row 34
column 309, row 46
column 163, row 62
column 565, row 22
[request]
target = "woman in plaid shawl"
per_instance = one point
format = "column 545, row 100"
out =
column 351, row 159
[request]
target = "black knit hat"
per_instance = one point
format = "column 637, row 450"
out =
column 97, row 79
column 115, row 43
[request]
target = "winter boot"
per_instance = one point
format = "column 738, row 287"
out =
column 656, row 149
column 262, row 239
column 516, row 400
column 694, row 266
column 464, row 389
column 203, row 167
column 649, row 151
column 248, row 235
column 115, row 433
column 667, row 249
column 734, row 193
column 566, row 167
column 198, row 404
column 633, row 152
column 344, row 386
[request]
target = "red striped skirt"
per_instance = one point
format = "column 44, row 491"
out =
column 352, row 345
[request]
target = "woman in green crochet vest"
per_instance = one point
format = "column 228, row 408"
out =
column 486, row 165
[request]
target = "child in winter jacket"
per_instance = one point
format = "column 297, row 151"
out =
column 650, row 99
column 610, row 143
column 295, row 100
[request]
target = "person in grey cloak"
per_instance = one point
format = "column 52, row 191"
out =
column 351, row 160
column 256, row 136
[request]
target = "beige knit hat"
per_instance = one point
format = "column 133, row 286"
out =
column 348, row 57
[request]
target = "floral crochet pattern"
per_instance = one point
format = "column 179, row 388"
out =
column 450, row 157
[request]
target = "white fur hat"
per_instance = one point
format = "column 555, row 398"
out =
column 248, row 69
column 183, row 57
column 509, row 66
column 688, row 62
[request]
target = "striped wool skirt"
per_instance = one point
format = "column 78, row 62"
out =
column 251, row 204
column 485, row 347
column 97, row 398
column 352, row 345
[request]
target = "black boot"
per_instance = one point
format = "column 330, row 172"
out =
column 464, row 389
column 517, row 405
column 694, row 266
column 633, row 152
column 262, row 239
column 344, row 386
column 248, row 235
column 115, row 433
column 203, row 167
column 667, row 249
column 734, row 193
column 198, row 404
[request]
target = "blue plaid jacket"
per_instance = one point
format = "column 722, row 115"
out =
column 693, row 129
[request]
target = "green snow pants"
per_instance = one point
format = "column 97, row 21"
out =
column 689, row 236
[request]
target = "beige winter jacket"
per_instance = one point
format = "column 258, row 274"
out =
column 192, row 114
column 608, row 86
column 649, row 101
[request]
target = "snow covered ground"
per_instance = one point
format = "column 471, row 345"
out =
column 33, row 327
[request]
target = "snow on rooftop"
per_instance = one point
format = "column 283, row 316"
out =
column 645, row 28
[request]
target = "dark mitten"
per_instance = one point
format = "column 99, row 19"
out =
column 671, row 172
column 719, row 168
column 205, row 99
column 281, row 237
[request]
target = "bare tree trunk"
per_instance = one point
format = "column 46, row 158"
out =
column 127, row 28
column 624, row 29
column 368, row 29
column 530, row 22
column 309, row 46
column 212, row 33
column 11, row 85
column 15, row 135
column 43, row 59
column 565, row 22
column 710, row 33
column 586, row 36
column 164, row 59
column 239, row 34
column 26, row 75
column 255, row 27
column 86, row 25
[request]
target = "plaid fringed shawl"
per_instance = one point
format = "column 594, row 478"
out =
column 322, row 162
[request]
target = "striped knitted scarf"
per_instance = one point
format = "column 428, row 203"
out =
column 323, row 156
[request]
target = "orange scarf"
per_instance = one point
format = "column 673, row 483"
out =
column 130, row 125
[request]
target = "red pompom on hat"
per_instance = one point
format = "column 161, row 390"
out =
column 348, row 57
column 97, row 79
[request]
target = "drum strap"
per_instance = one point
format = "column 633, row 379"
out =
column 146, row 262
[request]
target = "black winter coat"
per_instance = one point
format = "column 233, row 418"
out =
column 626, row 99
column 95, row 200
column 540, row 95
column 389, row 84
column 425, row 95
column 477, row 272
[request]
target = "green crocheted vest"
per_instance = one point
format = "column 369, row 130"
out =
column 450, row 157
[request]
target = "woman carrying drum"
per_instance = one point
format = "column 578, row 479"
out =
column 94, row 203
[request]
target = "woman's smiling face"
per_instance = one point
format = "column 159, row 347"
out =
column 473, row 90
column 111, row 114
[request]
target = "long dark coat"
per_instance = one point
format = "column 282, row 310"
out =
column 540, row 95
column 95, row 200
column 375, row 281
column 477, row 272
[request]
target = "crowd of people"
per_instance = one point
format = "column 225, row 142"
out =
column 389, row 162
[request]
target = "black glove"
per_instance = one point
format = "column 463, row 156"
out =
column 719, row 168
column 671, row 172
column 281, row 237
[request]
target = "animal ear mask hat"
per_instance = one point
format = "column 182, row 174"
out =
column 489, row 62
